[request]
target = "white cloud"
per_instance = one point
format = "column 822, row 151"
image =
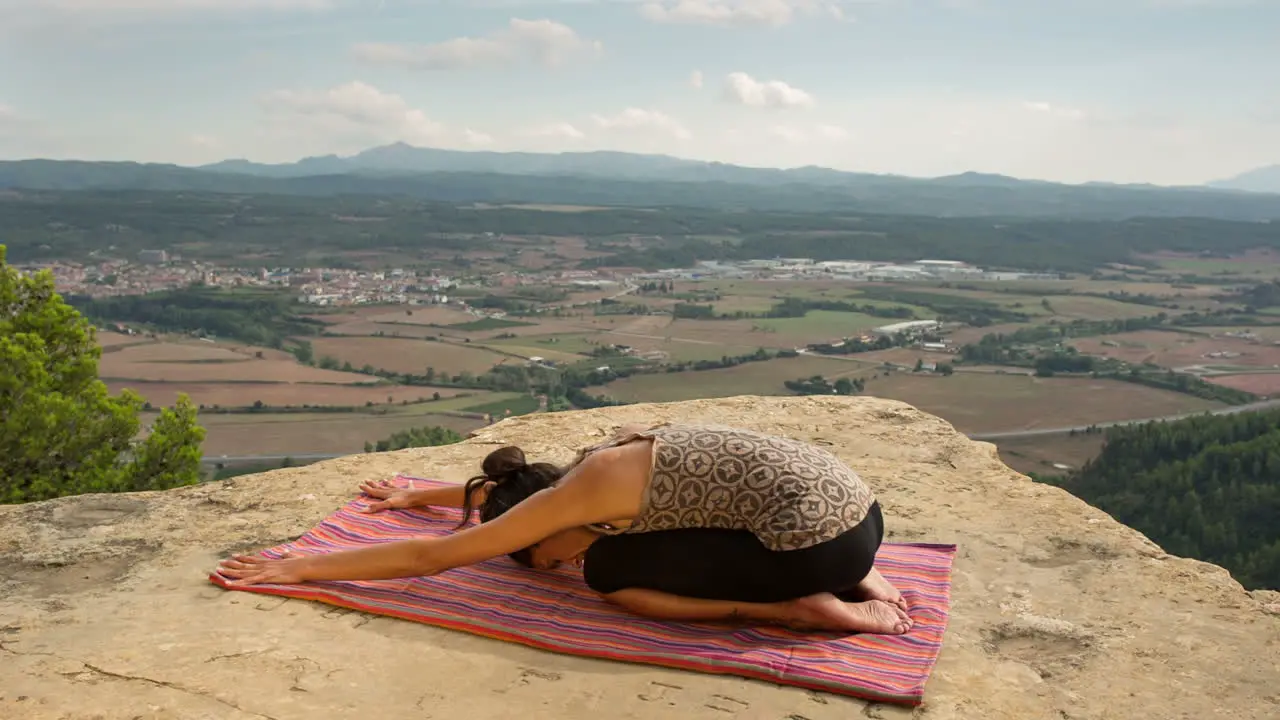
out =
column 720, row 12
column 746, row 90
column 542, row 41
column 358, row 110
column 170, row 6
column 7, row 113
column 1054, row 110
column 695, row 80
column 479, row 139
column 789, row 134
column 555, row 130
column 638, row 120
column 832, row 132
column 740, row 13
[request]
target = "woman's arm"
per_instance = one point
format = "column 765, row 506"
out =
column 578, row 500
column 390, row 496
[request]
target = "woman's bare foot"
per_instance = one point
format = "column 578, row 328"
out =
column 825, row 611
column 875, row 587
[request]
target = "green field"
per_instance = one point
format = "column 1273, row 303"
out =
column 825, row 324
column 518, row 405
column 577, row 343
column 1074, row 307
column 1252, row 269
column 487, row 324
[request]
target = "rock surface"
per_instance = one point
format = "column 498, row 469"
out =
column 1059, row 612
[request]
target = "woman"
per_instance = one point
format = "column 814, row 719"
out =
column 678, row 522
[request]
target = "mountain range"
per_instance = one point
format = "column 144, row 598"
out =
column 628, row 179
column 1264, row 179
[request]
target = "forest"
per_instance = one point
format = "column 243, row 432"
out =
column 1206, row 487
column 722, row 187
column 256, row 317
column 288, row 229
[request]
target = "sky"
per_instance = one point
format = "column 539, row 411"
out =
column 1158, row 91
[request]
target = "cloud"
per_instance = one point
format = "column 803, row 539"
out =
column 817, row 135
column 555, row 130
column 789, row 134
column 726, row 13
column 1045, row 108
column 738, row 13
column 544, row 42
column 638, row 120
column 358, row 110
column 473, row 137
column 170, row 6
column 743, row 89
column 695, row 80
column 832, row 132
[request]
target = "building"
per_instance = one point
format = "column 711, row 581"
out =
column 153, row 256
column 910, row 326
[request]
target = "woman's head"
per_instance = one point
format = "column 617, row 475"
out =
column 507, row 480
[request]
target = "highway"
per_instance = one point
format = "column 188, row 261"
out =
column 987, row 436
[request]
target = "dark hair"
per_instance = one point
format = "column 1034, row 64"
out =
column 514, row 480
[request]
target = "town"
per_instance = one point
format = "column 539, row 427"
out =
column 157, row 271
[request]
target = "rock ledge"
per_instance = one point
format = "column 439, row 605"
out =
column 1059, row 612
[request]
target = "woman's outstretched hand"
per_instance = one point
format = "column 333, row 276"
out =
column 389, row 496
column 256, row 570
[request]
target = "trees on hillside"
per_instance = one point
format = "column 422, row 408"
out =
column 425, row 436
column 61, row 433
column 1205, row 487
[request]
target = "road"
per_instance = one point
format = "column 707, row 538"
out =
column 1002, row 435
column 1234, row 409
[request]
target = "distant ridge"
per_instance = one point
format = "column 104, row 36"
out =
column 1261, row 180
column 634, row 180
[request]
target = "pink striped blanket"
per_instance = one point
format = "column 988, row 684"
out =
column 554, row 610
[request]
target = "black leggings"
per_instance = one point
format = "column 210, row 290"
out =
column 732, row 564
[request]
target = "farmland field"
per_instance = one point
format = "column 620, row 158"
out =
column 116, row 366
column 177, row 352
column 530, row 351
column 301, row 433
column 1073, row 307
column 574, row 343
column 107, row 339
column 679, row 349
column 902, row 356
column 233, row 395
column 422, row 315
column 1261, row 384
column 1177, row 350
column 408, row 356
column 980, row 402
column 819, row 325
column 1039, row 453
column 753, row 378
column 487, row 323
column 1056, row 287
column 519, row 405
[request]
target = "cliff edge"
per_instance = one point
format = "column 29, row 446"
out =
column 1058, row 611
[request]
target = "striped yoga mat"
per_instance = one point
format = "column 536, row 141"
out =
column 554, row 610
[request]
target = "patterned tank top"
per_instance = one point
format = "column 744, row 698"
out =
column 790, row 494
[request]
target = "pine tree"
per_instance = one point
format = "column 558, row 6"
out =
column 61, row 433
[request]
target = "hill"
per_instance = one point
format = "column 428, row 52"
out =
column 1261, row 180
column 630, row 180
column 1206, row 487
column 296, row 229
column 1057, row 610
